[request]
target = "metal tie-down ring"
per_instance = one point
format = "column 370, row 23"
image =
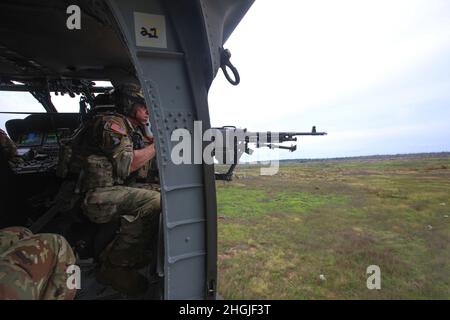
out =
column 225, row 62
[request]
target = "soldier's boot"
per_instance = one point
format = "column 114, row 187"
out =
column 122, row 279
column 135, row 257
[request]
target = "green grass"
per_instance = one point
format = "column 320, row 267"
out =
column 278, row 234
column 247, row 203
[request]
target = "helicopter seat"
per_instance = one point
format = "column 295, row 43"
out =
column 91, row 238
column 66, row 217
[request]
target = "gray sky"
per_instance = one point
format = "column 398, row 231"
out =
column 374, row 74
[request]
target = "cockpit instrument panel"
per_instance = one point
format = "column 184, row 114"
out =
column 51, row 139
column 30, row 139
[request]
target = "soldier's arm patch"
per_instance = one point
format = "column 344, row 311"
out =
column 115, row 141
column 118, row 128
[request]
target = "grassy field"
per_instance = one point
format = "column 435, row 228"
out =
column 278, row 234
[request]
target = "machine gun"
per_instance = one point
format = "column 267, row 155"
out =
column 235, row 142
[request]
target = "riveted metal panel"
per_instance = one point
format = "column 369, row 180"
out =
column 162, row 74
column 175, row 72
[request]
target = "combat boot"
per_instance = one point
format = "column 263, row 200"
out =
column 122, row 279
column 133, row 256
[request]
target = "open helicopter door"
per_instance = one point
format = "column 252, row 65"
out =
column 177, row 49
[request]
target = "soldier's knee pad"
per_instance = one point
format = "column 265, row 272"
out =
column 100, row 206
column 153, row 201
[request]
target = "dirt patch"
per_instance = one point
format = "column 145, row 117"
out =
column 239, row 249
column 442, row 167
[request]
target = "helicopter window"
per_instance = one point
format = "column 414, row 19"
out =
column 19, row 102
column 15, row 105
column 64, row 103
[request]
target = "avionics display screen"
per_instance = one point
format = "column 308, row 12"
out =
column 51, row 138
column 30, row 139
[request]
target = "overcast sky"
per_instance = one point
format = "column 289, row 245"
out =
column 374, row 74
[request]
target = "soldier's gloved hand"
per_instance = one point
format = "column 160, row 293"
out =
column 147, row 130
column 138, row 142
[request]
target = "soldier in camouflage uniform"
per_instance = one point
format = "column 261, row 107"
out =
column 34, row 266
column 9, row 149
column 117, row 153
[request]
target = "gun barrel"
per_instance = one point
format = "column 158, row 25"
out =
column 278, row 136
column 303, row 133
column 283, row 134
column 293, row 134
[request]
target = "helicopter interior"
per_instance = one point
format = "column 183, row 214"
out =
column 175, row 64
column 56, row 59
column 37, row 141
column 35, row 197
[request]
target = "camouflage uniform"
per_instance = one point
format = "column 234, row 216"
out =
column 8, row 147
column 100, row 154
column 34, row 266
column 111, row 193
